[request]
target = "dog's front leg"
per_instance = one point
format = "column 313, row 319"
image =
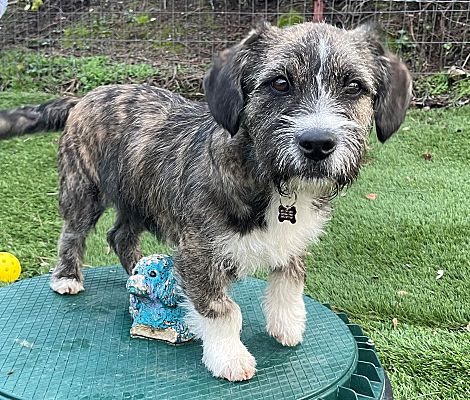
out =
column 223, row 352
column 284, row 306
column 214, row 317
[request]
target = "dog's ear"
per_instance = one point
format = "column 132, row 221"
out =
column 393, row 96
column 394, row 85
column 223, row 83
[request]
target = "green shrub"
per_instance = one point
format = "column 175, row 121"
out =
column 30, row 71
column 439, row 84
column 291, row 18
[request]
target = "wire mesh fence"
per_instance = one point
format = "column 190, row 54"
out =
column 179, row 36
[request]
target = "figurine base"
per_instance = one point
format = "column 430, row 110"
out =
column 164, row 335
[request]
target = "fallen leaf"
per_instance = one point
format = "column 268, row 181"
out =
column 440, row 274
column 402, row 293
column 406, row 128
column 427, row 156
column 468, row 326
column 394, row 323
column 371, row 196
column 456, row 73
column 44, row 261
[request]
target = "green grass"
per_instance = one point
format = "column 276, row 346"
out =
column 373, row 249
column 33, row 71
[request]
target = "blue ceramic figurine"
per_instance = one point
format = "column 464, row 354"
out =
column 155, row 303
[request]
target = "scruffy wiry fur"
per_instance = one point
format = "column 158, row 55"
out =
column 207, row 176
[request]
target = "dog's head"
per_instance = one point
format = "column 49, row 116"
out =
column 306, row 96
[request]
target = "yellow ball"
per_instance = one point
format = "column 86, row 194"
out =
column 10, row 267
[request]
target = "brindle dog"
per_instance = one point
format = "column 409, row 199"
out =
column 287, row 118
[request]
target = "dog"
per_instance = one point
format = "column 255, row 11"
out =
column 243, row 181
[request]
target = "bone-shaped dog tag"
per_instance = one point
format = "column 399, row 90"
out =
column 287, row 213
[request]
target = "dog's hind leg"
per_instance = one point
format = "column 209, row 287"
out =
column 81, row 206
column 123, row 238
column 212, row 315
column 67, row 277
column 284, row 306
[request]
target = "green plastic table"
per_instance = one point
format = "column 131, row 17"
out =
column 79, row 347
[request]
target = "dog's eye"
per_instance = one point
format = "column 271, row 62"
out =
column 152, row 274
column 353, row 88
column 280, row 84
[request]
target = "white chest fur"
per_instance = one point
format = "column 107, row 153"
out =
column 274, row 245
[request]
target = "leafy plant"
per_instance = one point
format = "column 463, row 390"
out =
column 142, row 19
column 33, row 5
column 447, row 46
column 291, row 18
column 439, row 84
column 402, row 43
column 29, row 71
column 433, row 85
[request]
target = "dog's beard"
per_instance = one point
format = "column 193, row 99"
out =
column 337, row 171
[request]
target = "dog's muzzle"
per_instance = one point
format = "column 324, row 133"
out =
column 317, row 144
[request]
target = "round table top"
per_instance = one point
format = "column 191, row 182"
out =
column 63, row 347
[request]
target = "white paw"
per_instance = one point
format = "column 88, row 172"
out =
column 288, row 333
column 224, row 355
column 66, row 285
column 230, row 361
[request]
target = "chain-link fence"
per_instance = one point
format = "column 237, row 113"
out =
column 179, row 36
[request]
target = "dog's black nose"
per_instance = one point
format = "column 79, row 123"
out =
column 317, row 144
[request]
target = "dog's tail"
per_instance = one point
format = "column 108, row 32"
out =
column 50, row 116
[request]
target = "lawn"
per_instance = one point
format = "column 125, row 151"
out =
column 378, row 260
